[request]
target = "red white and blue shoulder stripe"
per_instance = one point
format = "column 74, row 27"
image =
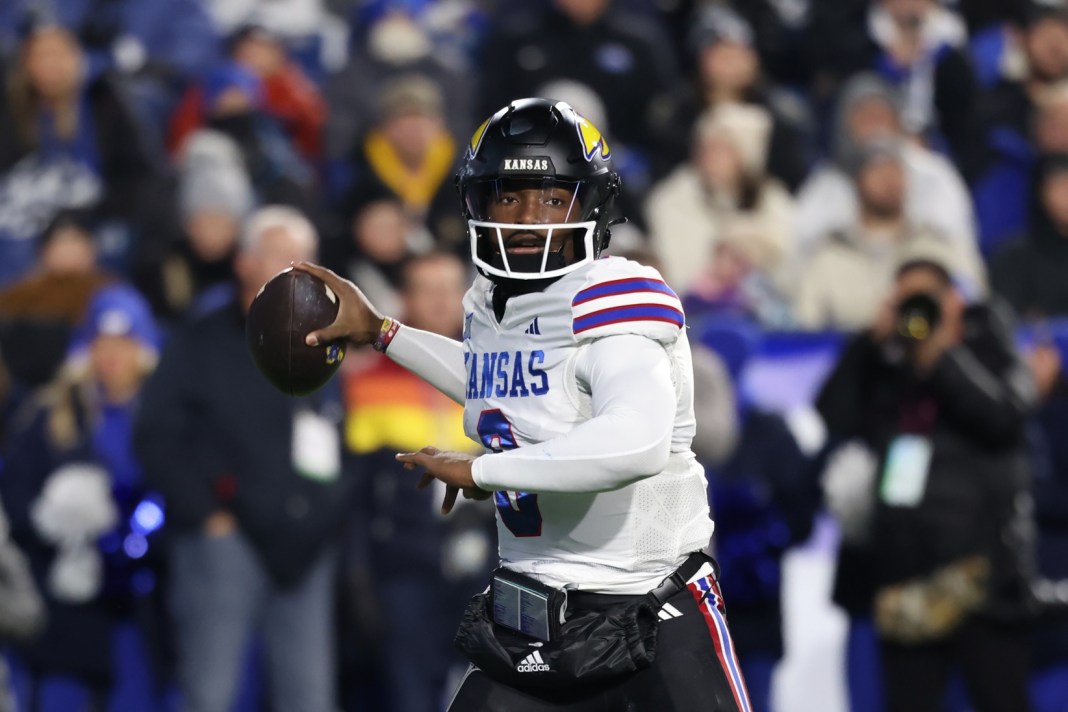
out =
column 642, row 305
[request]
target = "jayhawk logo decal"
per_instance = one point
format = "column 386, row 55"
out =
column 476, row 139
column 592, row 140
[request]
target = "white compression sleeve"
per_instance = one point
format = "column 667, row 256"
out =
column 628, row 437
column 437, row 359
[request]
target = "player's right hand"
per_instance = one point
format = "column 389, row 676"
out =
column 357, row 319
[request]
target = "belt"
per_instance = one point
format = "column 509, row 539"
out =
column 677, row 581
column 668, row 587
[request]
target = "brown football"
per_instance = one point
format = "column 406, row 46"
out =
column 289, row 306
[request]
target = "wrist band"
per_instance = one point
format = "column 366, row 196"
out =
column 385, row 334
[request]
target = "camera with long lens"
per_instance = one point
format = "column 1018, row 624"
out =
column 918, row 316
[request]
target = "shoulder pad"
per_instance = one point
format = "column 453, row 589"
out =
column 625, row 297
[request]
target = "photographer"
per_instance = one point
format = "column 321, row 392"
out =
column 936, row 391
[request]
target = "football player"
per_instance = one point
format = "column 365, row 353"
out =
column 575, row 374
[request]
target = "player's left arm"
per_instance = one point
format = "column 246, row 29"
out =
column 627, row 439
column 436, row 359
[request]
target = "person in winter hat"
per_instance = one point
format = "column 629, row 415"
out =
column 215, row 194
column 75, row 495
column 688, row 211
column 869, row 109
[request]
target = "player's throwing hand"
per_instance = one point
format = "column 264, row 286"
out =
column 357, row 319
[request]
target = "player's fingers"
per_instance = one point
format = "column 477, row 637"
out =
column 423, row 457
column 332, row 279
column 413, row 458
column 339, row 286
column 330, row 333
column 450, row 499
column 424, row 481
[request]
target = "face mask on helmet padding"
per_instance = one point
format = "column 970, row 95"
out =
column 531, row 229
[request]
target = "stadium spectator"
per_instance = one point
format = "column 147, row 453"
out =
column 233, row 98
column 1051, row 121
column 383, row 237
column 1041, row 63
column 943, row 558
column 388, row 42
column 688, row 211
column 1023, row 115
column 841, row 285
column 215, row 196
column 22, row 610
column 78, row 504
column 921, row 47
column 935, row 194
column 289, row 18
column 763, row 498
column 760, row 488
column 39, row 311
column 289, row 96
column 984, row 15
column 918, row 46
column 255, row 489
column 728, row 71
column 314, row 38
column 152, row 49
column 448, row 29
column 732, row 283
column 391, row 410
column 1049, row 677
column 1028, row 272
column 411, row 155
column 69, row 142
column 835, row 47
column 623, row 56
column 68, row 246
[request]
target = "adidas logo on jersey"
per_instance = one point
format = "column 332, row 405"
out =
column 668, row 612
column 532, row 663
column 533, row 328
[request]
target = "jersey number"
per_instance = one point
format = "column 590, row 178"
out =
column 519, row 510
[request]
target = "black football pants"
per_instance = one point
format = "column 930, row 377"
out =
column 695, row 669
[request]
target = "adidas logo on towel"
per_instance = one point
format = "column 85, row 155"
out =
column 668, row 612
column 532, row 663
column 533, row 328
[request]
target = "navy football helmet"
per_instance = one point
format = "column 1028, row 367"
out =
column 538, row 188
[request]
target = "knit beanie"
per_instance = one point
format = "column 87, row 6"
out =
column 212, row 176
column 116, row 310
column 745, row 127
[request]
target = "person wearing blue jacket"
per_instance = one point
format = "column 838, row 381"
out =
column 79, row 507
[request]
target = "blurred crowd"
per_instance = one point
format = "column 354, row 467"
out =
column 178, row 535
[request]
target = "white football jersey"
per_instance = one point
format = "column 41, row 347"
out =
column 523, row 389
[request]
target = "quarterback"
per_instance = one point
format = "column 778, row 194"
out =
column 574, row 371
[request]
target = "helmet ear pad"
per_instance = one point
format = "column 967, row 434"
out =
column 604, row 215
